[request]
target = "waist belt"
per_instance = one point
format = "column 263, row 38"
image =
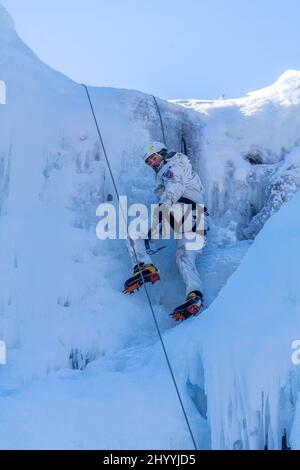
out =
column 182, row 200
column 186, row 200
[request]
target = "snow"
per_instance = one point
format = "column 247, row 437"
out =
column 254, row 322
column 7, row 30
column 61, row 287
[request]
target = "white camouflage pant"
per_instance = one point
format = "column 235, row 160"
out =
column 185, row 260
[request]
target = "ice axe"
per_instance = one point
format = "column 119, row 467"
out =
column 150, row 251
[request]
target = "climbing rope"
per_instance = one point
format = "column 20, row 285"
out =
column 161, row 121
column 135, row 254
column 183, row 141
column 183, row 146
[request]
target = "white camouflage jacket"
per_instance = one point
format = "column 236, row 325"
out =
column 177, row 179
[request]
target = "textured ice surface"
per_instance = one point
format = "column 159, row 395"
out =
column 61, row 286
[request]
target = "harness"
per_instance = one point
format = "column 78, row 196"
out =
column 183, row 200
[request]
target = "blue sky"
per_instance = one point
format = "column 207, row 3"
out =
column 171, row 48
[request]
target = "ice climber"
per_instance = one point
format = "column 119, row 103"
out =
column 177, row 184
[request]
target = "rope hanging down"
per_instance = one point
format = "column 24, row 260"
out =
column 144, row 284
column 183, row 141
column 183, row 146
column 161, row 121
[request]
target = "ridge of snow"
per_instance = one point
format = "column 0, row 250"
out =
column 7, row 26
column 285, row 91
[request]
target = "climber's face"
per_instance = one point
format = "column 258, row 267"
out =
column 154, row 161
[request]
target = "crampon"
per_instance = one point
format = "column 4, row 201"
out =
column 190, row 308
column 141, row 273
